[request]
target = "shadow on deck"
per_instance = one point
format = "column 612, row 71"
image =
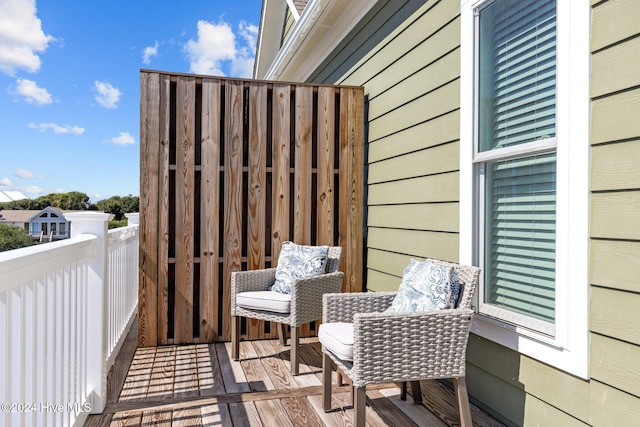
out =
column 199, row 385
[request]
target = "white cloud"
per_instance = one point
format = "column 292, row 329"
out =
column 61, row 130
column 149, row 52
column 5, row 182
column 108, row 95
column 31, row 92
column 25, row 174
column 217, row 44
column 32, row 189
column 123, row 138
column 21, row 37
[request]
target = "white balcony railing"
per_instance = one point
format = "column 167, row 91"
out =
column 65, row 308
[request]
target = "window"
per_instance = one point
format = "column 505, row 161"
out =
column 45, row 228
column 63, row 229
column 35, row 228
column 515, row 160
column 523, row 144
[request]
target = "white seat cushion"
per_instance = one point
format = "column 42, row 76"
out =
column 337, row 338
column 265, row 300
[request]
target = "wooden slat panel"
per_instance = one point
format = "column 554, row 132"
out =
column 280, row 174
column 210, row 210
column 302, row 175
column 148, row 275
column 352, row 185
column 256, row 194
column 233, row 199
column 326, row 161
column 163, row 210
column 184, row 239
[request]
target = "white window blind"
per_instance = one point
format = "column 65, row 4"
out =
column 517, row 105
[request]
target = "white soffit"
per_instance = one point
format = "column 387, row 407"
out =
column 322, row 26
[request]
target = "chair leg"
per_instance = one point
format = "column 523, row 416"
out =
column 403, row 391
column 295, row 342
column 360, row 406
column 235, row 337
column 327, row 366
column 460, row 387
column 416, row 392
column 282, row 333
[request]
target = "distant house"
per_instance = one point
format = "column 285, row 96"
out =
column 504, row 134
column 47, row 224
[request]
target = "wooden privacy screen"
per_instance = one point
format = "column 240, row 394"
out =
column 230, row 169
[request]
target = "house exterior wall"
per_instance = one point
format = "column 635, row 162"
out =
column 289, row 23
column 407, row 56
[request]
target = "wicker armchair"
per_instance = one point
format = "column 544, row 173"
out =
column 305, row 304
column 401, row 347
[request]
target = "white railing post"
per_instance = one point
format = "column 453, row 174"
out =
column 132, row 218
column 95, row 223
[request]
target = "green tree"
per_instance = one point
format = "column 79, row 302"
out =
column 118, row 206
column 13, row 238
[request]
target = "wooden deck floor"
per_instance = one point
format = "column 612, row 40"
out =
column 199, row 385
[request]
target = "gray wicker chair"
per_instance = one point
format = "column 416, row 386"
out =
column 306, row 301
column 401, row 347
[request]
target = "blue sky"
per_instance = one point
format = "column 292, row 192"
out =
column 70, row 85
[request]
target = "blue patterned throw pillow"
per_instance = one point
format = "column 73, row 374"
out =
column 425, row 287
column 298, row 261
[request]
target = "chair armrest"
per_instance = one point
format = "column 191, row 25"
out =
column 306, row 296
column 247, row 281
column 342, row 307
column 410, row 346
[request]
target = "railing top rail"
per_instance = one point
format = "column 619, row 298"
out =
column 123, row 233
column 20, row 265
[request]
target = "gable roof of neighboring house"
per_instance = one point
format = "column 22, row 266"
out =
column 21, row 216
column 11, row 195
column 322, row 26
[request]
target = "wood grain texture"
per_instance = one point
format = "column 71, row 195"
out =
column 351, row 186
column 326, row 169
column 256, row 193
column 185, row 181
column 210, row 210
column 281, row 177
column 302, row 170
column 148, row 259
column 612, row 407
column 163, row 210
column 233, row 198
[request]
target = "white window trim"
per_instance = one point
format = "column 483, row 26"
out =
column 568, row 350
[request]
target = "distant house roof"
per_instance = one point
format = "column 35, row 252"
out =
column 11, row 195
column 18, row 216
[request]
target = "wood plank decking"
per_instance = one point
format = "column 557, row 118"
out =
column 199, row 385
